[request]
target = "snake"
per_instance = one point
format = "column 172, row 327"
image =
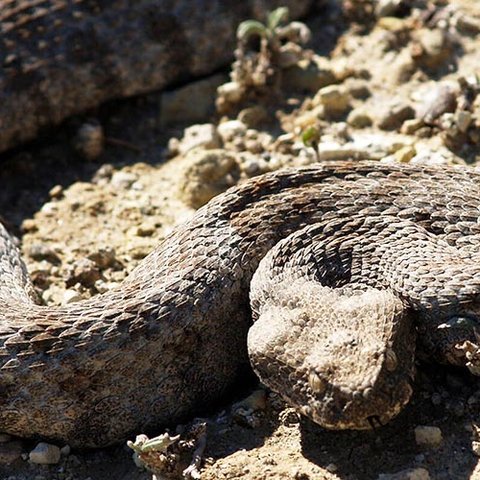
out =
column 330, row 280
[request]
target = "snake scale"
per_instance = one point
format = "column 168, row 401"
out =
column 340, row 265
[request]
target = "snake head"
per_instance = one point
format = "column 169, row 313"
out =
column 344, row 359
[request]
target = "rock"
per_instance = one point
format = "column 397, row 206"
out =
column 123, row 180
column 10, row 451
column 83, row 271
column 463, row 119
column 402, row 68
column 201, row 135
column 56, row 192
column 410, row 474
column 89, row 140
column 334, row 99
column 231, row 129
column 387, row 8
column 427, row 436
column 192, row 103
column 405, row 154
column 437, row 100
column 394, row 115
column 41, row 251
column 431, row 48
column 359, row 118
column 411, row 126
column 207, row 173
column 71, row 296
column 468, row 25
column 252, row 117
column 357, row 88
column 104, row 257
column 308, row 76
column 45, row 454
column 231, row 92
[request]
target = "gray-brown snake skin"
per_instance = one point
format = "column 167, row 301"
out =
column 349, row 262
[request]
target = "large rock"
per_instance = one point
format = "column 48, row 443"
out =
column 68, row 57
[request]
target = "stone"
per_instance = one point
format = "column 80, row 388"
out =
column 89, row 140
column 41, row 251
column 71, row 296
column 387, row 8
column 83, row 271
column 334, row 99
column 463, row 119
column 200, row 135
column 427, row 436
column 394, row 115
column 206, row 173
column 123, row 180
column 431, row 48
column 411, row 126
column 192, row 103
column 230, row 129
column 359, row 118
column 253, row 116
column 45, row 454
column 437, row 100
column 405, row 154
column 231, row 92
column 308, row 76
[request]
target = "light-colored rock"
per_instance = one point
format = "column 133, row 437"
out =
column 253, row 116
column 71, row 296
column 231, row 129
column 334, row 98
column 45, row 454
column 206, row 173
column 393, row 115
column 201, row 135
column 192, row 103
column 428, row 436
column 405, row 154
column 123, row 180
column 386, row 8
column 232, row 92
column 309, row 75
column 359, row 118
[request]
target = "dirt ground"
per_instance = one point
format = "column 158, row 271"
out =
column 69, row 211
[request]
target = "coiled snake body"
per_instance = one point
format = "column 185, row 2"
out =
column 344, row 263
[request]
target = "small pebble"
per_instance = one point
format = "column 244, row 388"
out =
column 427, row 436
column 45, row 454
column 123, row 180
column 71, row 296
column 56, row 191
column 90, row 140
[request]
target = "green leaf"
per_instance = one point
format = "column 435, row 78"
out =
column 310, row 136
column 276, row 17
column 251, row 27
